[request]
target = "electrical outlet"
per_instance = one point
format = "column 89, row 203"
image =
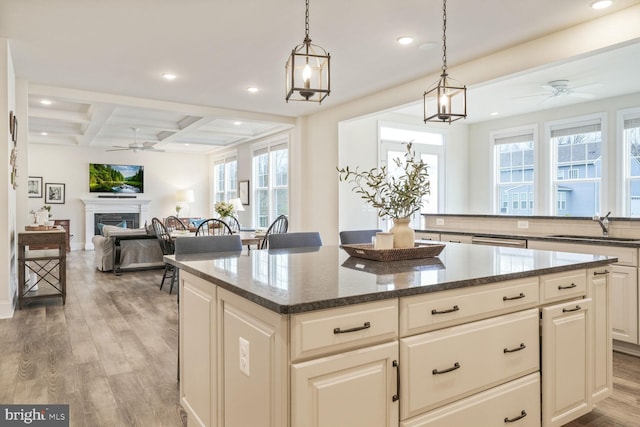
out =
column 244, row 351
column 439, row 221
column 523, row 224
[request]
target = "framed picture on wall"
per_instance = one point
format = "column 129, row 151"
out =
column 34, row 186
column 54, row 193
column 244, row 192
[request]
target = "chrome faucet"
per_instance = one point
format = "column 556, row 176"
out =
column 604, row 223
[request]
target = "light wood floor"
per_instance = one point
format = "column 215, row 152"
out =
column 111, row 354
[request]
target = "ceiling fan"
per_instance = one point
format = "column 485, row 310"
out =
column 562, row 88
column 137, row 146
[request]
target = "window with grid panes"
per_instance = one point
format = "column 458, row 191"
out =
column 225, row 177
column 631, row 141
column 515, row 171
column 577, row 151
column 271, row 178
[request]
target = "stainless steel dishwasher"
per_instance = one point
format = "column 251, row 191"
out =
column 499, row 241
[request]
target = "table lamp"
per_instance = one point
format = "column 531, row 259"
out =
column 237, row 205
column 183, row 198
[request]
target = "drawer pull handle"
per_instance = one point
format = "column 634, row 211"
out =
column 512, row 298
column 600, row 273
column 513, row 350
column 571, row 286
column 396, row 396
column 366, row 325
column 453, row 368
column 566, row 310
column 519, row 417
column 451, row 310
column 455, row 241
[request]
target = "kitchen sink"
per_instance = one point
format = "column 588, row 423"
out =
column 597, row 238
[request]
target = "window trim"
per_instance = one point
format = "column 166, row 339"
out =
column 622, row 178
column 269, row 146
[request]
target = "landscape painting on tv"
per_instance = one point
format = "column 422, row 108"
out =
column 105, row 178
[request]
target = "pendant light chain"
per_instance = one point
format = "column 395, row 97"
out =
column 444, row 37
column 306, row 23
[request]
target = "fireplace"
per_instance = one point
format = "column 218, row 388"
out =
column 113, row 206
column 132, row 220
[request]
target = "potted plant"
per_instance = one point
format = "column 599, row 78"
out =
column 224, row 210
column 396, row 195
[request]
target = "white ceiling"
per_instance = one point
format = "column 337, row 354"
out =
column 100, row 62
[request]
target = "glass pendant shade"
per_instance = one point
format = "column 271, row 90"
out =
column 446, row 101
column 307, row 73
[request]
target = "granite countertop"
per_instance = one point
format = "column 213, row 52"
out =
column 309, row 279
column 589, row 240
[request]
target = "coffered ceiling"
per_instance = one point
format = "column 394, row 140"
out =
column 100, row 63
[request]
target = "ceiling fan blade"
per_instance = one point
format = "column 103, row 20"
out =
column 581, row 95
column 586, row 86
column 535, row 95
column 116, row 148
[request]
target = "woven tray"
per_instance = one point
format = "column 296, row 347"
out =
column 420, row 250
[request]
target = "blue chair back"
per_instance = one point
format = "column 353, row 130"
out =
column 294, row 240
column 351, row 237
column 207, row 244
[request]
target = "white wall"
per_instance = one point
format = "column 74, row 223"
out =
column 8, row 258
column 481, row 151
column 164, row 173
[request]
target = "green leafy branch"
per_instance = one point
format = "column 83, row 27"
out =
column 396, row 196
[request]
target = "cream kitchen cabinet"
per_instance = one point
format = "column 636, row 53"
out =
column 198, row 350
column 566, row 355
column 455, row 238
column 623, row 282
column 356, row 388
column 423, row 235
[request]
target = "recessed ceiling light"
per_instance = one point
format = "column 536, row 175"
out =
column 494, row 113
column 427, row 45
column 404, row 40
column 45, row 101
column 44, row 133
column 237, row 123
column 252, row 89
column 169, row 76
column 601, row 4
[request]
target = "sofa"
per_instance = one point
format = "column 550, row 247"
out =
column 124, row 249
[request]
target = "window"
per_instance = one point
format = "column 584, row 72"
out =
column 225, row 178
column 514, row 154
column 577, row 151
column 631, row 141
column 430, row 147
column 271, row 177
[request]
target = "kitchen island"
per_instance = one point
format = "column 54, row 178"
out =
column 313, row 337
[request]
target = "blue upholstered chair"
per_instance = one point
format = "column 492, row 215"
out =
column 350, row 237
column 294, row 240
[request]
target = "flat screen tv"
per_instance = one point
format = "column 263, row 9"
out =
column 104, row 178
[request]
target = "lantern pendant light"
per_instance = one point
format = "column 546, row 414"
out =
column 446, row 101
column 307, row 70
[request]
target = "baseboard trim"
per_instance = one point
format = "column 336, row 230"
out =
column 627, row 348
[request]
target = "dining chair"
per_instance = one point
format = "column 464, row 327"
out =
column 207, row 244
column 350, row 237
column 233, row 224
column 213, row 227
column 168, row 248
column 172, row 223
column 278, row 226
column 295, row 240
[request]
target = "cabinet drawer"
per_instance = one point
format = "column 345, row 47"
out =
column 422, row 313
column 328, row 331
column 564, row 285
column 518, row 398
column 452, row 363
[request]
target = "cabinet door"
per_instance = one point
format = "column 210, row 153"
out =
column 197, row 350
column 353, row 389
column 624, row 303
column 601, row 374
column 565, row 362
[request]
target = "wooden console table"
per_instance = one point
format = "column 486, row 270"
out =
column 48, row 266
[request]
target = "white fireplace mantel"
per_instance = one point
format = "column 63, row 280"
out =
column 95, row 205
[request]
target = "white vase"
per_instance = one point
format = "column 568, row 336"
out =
column 403, row 235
